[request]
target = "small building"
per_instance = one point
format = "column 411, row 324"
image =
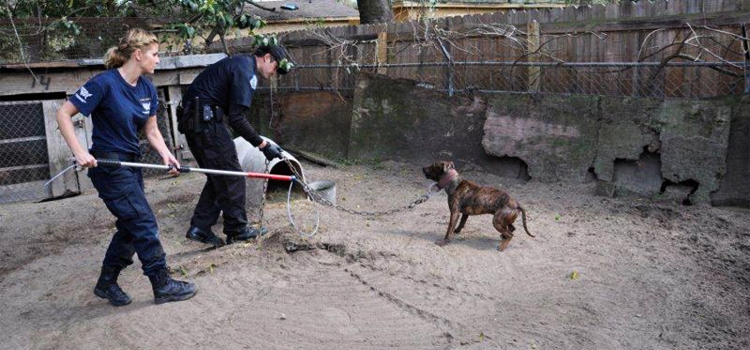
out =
column 32, row 150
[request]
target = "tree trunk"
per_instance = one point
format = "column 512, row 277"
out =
column 374, row 11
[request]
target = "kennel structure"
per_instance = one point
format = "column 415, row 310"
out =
column 32, row 150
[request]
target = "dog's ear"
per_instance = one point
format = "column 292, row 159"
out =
column 447, row 166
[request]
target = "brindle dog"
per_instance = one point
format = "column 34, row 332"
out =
column 468, row 198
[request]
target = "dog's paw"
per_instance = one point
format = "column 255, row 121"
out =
column 442, row 242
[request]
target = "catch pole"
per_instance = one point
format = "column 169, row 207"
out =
column 187, row 169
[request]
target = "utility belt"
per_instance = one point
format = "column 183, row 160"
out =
column 197, row 120
column 125, row 157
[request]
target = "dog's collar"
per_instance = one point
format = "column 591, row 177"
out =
column 447, row 178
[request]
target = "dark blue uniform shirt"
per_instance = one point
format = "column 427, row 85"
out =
column 229, row 84
column 118, row 110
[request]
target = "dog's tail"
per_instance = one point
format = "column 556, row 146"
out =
column 523, row 219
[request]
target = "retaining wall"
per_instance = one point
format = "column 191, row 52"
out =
column 697, row 151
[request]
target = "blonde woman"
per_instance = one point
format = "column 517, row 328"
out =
column 121, row 102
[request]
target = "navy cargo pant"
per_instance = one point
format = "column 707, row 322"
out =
column 213, row 148
column 121, row 188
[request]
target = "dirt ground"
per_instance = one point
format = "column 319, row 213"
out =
column 602, row 273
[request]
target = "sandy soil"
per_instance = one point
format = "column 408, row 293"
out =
column 601, row 274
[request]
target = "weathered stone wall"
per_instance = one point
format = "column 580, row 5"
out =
column 396, row 119
column 694, row 138
column 734, row 188
column 555, row 136
column 669, row 142
column 625, row 129
column 696, row 151
column 316, row 121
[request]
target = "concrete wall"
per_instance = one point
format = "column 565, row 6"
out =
column 695, row 151
column 734, row 188
column 312, row 121
column 395, row 118
column 655, row 143
column 555, row 136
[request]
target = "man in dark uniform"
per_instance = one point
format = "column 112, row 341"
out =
column 222, row 91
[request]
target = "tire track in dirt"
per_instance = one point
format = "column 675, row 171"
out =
column 313, row 309
column 405, row 285
column 651, row 277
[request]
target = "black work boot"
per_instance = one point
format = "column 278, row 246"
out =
column 107, row 288
column 245, row 234
column 167, row 289
column 203, row 236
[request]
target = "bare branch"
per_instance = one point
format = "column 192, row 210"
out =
column 20, row 44
column 718, row 69
column 250, row 2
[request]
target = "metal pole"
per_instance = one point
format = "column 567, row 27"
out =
column 186, row 169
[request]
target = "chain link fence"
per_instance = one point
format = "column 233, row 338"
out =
column 634, row 79
column 25, row 154
column 31, row 40
column 24, row 161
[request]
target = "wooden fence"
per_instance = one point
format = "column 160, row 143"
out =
column 678, row 48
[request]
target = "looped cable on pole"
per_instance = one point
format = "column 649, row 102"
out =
column 291, row 219
column 59, row 174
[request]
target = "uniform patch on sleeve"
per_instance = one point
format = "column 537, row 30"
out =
column 83, row 94
column 254, row 82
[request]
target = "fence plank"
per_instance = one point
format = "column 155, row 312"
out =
column 533, row 42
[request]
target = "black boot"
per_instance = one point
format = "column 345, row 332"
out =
column 167, row 289
column 107, row 288
column 203, row 236
column 245, row 234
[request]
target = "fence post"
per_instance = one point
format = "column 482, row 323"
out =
column 382, row 47
column 747, row 76
column 535, row 72
column 449, row 72
column 746, row 48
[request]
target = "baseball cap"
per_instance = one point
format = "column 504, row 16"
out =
column 280, row 54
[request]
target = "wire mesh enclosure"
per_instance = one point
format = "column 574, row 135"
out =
column 25, row 164
column 24, row 161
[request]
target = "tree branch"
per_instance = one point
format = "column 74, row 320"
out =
column 250, row 2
